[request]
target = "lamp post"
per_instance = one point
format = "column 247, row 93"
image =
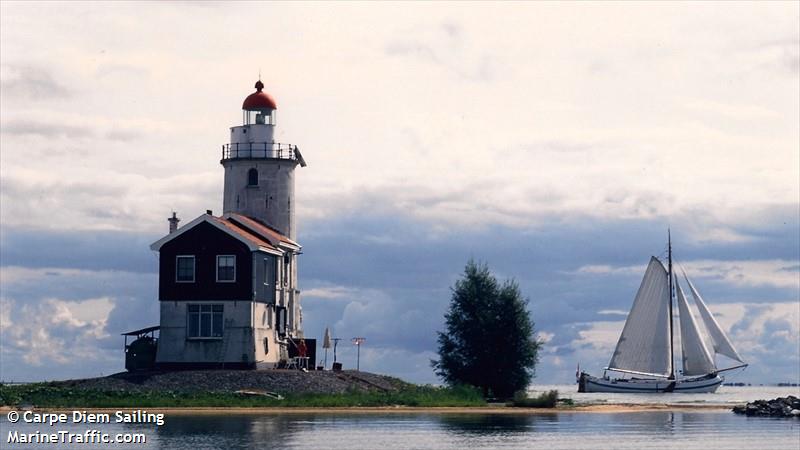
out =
column 357, row 341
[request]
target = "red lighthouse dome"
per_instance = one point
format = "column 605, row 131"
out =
column 259, row 100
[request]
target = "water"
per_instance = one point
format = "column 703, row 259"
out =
column 725, row 395
column 680, row 429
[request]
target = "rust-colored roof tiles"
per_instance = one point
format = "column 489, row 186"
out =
column 244, row 233
column 259, row 228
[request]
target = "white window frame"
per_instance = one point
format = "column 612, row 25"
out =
column 200, row 314
column 194, row 268
column 216, row 269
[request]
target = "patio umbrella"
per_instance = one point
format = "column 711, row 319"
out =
column 326, row 344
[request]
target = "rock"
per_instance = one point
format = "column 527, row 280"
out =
column 778, row 407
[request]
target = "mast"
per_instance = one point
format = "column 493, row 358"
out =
column 671, row 335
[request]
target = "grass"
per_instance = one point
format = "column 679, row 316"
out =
column 544, row 400
column 50, row 396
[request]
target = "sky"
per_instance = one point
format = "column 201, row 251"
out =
column 556, row 142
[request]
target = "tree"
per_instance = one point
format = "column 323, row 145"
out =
column 489, row 339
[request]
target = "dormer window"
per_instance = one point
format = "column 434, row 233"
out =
column 252, row 177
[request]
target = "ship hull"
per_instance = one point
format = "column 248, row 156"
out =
column 707, row 384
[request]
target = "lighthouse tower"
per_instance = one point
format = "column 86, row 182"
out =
column 259, row 172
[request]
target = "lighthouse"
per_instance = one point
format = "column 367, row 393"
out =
column 228, row 286
column 259, row 172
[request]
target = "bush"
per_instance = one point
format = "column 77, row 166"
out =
column 544, row 400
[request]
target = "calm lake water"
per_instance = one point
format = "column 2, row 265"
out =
column 685, row 430
column 725, row 395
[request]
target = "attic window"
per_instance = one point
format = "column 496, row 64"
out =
column 252, row 177
column 226, row 268
column 184, row 269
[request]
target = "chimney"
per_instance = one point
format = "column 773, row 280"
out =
column 173, row 223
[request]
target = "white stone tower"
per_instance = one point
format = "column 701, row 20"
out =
column 259, row 172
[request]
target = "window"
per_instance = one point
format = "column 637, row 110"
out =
column 226, row 268
column 266, row 346
column 204, row 321
column 280, row 320
column 252, row 177
column 184, row 269
column 267, row 272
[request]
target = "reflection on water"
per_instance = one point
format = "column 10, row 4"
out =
column 640, row 430
column 235, row 431
column 488, row 424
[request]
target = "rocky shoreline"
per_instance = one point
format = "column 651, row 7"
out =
column 779, row 407
column 226, row 381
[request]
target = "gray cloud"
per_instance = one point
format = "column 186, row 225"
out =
column 445, row 47
column 785, row 53
column 33, row 83
column 45, row 129
column 124, row 135
column 388, row 278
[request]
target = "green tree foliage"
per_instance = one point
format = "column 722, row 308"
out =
column 489, row 340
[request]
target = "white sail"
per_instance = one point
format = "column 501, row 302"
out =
column 644, row 345
column 719, row 340
column 696, row 358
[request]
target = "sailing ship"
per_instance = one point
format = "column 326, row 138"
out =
column 645, row 351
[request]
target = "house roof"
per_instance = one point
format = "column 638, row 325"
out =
column 259, row 228
column 254, row 234
column 242, row 233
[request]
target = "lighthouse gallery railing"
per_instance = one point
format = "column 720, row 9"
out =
column 258, row 150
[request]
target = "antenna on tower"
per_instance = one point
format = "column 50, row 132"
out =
column 259, row 74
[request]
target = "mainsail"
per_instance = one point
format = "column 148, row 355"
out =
column 719, row 340
column 696, row 358
column 644, row 345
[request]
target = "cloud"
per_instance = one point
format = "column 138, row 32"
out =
column 331, row 292
column 60, row 322
column 105, row 200
column 45, row 129
column 776, row 273
column 444, row 46
column 31, row 82
column 394, row 292
column 783, row 54
column 54, row 331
